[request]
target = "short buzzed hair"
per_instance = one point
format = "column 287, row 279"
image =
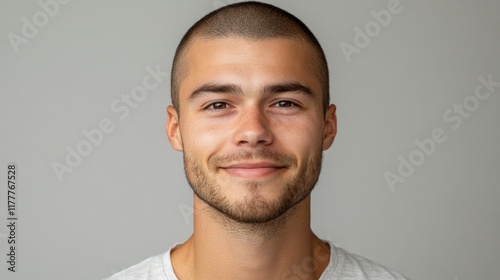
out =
column 250, row 20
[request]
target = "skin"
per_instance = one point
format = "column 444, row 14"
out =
column 252, row 157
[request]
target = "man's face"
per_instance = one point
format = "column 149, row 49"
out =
column 251, row 125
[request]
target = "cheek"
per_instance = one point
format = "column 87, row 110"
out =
column 202, row 138
column 300, row 136
column 305, row 137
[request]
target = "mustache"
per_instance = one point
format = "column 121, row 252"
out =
column 260, row 154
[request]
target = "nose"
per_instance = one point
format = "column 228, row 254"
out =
column 253, row 129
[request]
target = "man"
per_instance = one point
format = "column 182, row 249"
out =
column 252, row 116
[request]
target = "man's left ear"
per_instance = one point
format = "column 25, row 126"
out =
column 330, row 127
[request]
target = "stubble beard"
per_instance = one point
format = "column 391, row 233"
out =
column 254, row 211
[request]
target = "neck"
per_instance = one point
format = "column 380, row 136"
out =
column 224, row 249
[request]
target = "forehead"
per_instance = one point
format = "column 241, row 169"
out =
column 248, row 62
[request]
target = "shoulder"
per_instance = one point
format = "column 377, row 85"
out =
column 149, row 269
column 354, row 267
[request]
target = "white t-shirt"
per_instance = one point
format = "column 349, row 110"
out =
column 343, row 266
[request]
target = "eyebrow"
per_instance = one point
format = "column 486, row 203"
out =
column 289, row 87
column 236, row 90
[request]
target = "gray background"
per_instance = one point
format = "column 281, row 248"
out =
column 128, row 199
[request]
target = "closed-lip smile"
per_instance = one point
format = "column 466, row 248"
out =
column 253, row 169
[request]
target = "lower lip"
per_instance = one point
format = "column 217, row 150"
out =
column 253, row 172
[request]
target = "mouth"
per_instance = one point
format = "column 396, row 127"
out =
column 253, row 169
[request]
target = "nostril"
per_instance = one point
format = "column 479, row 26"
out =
column 253, row 129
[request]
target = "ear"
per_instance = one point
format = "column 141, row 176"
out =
column 330, row 127
column 173, row 129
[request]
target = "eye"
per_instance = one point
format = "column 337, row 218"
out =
column 217, row 106
column 285, row 104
